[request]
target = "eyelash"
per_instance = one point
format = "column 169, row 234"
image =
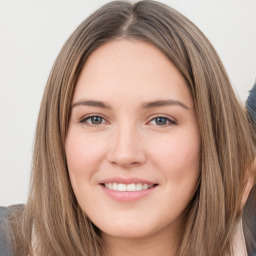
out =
column 168, row 120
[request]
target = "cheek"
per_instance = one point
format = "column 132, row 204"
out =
column 178, row 157
column 83, row 154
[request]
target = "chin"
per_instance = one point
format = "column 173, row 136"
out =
column 129, row 230
column 130, row 233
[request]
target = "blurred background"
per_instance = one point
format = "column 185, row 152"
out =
column 33, row 31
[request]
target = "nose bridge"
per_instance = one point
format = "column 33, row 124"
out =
column 126, row 148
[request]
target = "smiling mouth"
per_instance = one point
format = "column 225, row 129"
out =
column 133, row 187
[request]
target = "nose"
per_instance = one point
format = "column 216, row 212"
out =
column 126, row 148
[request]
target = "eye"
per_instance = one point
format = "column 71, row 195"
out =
column 93, row 120
column 162, row 121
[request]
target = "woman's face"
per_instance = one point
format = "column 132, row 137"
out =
column 133, row 144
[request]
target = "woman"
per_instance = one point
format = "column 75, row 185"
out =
column 141, row 146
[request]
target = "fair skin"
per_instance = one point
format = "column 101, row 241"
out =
column 130, row 142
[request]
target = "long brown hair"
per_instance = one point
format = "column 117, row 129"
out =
column 53, row 223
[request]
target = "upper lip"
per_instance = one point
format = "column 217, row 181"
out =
column 126, row 180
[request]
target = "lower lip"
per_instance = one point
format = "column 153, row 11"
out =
column 127, row 196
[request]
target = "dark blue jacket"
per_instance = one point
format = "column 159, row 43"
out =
column 5, row 247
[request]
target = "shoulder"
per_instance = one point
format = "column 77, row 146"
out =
column 249, row 214
column 5, row 229
column 251, row 103
column 3, row 215
column 249, row 223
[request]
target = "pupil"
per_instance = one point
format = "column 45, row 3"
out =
column 161, row 120
column 96, row 120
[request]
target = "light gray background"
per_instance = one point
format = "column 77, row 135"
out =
column 31, row 35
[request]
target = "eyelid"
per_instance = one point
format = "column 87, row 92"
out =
column 84, row 118
column 171, row 120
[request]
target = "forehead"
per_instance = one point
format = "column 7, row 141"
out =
column 130, row 70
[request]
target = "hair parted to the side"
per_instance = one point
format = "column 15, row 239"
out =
column 53, row 223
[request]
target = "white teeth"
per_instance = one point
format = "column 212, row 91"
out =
column 127, row 187
column 145, row 186
column 130, row 187
column 115, row 186
column 139, row 187
column 121, row 187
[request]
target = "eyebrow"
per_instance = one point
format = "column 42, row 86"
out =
column 146, row 105
column 91, row 103
column 161, row 103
